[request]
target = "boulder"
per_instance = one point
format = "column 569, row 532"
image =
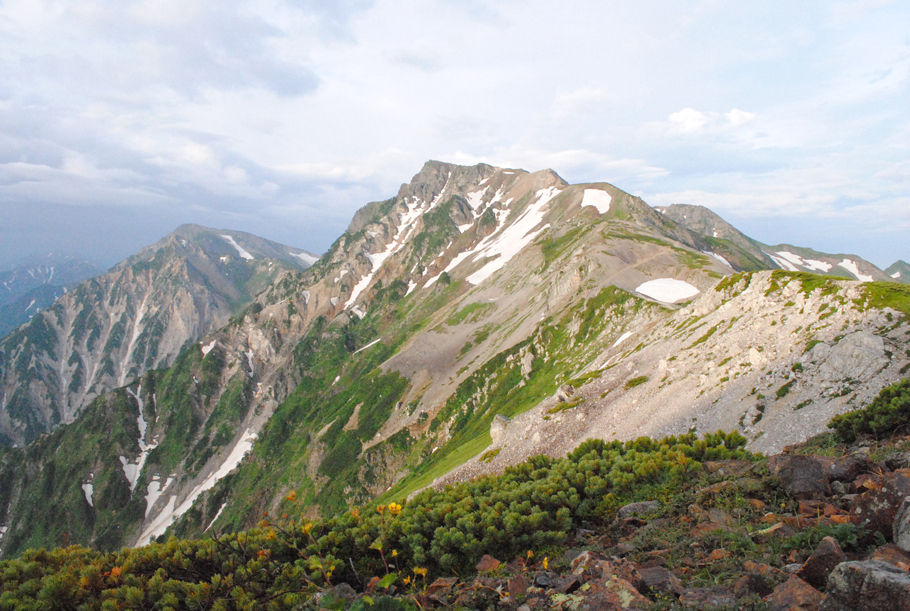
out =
column 827, row 555
column 633, row 510
column 870, row 585
column 878, row 506
column 848, row 468
column 707, row 598
column 794, row 594
column 892, row 554
column 802, row 476
column 487, row 563
column 900, row 528
column 751, row 583
column 657, row 580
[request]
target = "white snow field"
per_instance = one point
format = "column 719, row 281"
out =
column 667, row 290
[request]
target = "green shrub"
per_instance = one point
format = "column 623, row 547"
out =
column 636, row 381
column 888, row 413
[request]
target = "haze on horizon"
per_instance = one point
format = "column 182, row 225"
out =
column 121, row 121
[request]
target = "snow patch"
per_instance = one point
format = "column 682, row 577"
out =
column 217, row 515
column 667, row 290
column 29, row 306
column 249, row 359
column 305, row 257
column 153, row 492
column 896, row 275
column 132, row 470
column 357, row 311
column 598, row 198
column 475, row 198
column 405, row 229
column 622, row 338
column 89, row 491
column 244, row 254
column 508, row 241
column 411, row 286
column 375, row 341
column 208, row 347
column 718, row 257
column 812, row 264
column 853, row 268
column 782, row 263
column 171, row 513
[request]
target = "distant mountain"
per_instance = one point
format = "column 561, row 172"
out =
column 899, row 271
column 744, row 253
column 114, row 327
column 31, row 286
column 480, row 316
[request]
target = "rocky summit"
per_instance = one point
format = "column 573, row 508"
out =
column 481, row 318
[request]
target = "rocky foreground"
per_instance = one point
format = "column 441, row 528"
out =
column 820, row 526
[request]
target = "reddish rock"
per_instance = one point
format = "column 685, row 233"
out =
column 728, row 467
column 657, row 580
column 826, row 556
column 794, row 594
column 878, row 506
column 617, row 593
column 717, row 488
column 751, row 583
column 802, row 476
column 487, row 563
column 620, row 568
column 440, row 585
column 717, row 554
column 518, row 586
column 848, row 468
column 892, row 554
column 707, row 598
column 761, row 568
column 586, row 561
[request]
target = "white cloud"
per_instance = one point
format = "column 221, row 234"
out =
column 314, row 108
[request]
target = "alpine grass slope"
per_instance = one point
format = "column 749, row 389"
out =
column 481, row 316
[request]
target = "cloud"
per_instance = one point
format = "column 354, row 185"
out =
column 288, row 115
column 690, row 121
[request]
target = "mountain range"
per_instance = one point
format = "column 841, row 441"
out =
column 481, row 316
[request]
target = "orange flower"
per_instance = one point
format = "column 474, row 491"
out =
column 292, row 496
column 394, row 509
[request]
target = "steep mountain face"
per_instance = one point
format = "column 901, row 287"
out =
column 112, row 328
column 480, row 311
column 744, row 253
column 899, row 271
column 28, row 288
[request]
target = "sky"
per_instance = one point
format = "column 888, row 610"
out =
column 120, row 120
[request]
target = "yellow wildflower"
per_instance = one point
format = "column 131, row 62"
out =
column 418, row 570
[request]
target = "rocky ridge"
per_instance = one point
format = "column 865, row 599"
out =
column 473, row 296
column 114, row 327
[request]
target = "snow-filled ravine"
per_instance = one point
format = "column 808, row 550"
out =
column 667, row 290
column 508, row 240
column 172, row 511
column 132, row 470
column 244, row 253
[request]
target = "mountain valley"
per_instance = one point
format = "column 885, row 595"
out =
column 480, row 317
